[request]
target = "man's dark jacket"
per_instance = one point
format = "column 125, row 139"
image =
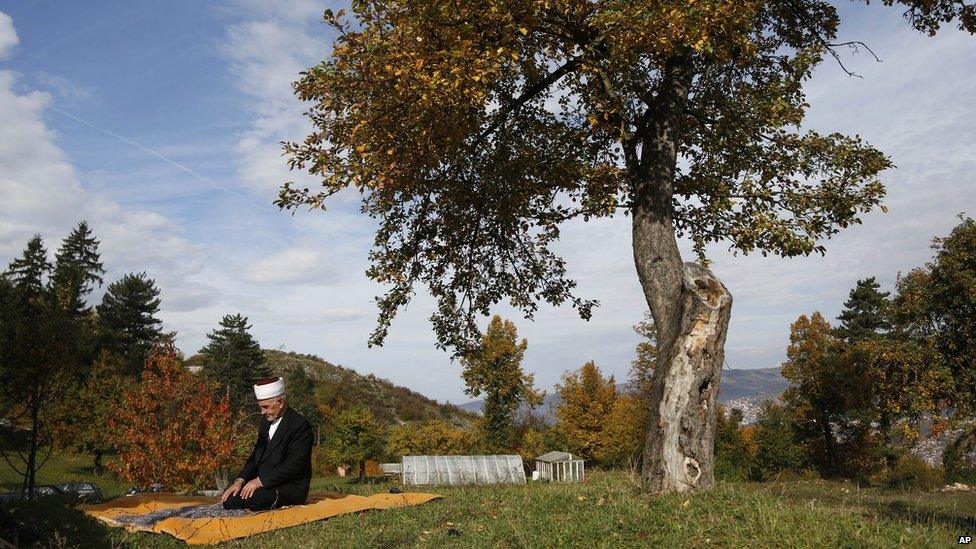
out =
column 284, row 464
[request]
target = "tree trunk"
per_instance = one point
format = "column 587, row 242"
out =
column 97, row 468
column 830, row 448
column 679, row 448
column 689, row 304
column 32, row 456
column 362, row 470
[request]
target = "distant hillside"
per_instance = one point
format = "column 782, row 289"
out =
column 391, row 403
column 340, row 386
column 735, row 385
column 764, row 382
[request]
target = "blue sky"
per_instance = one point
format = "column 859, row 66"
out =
column 159, row 123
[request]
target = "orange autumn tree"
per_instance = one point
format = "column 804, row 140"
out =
column 172, row 429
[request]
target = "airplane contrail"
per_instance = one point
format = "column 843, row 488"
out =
column 161, row 156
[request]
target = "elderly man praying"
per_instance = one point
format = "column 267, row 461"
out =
column 280, row 467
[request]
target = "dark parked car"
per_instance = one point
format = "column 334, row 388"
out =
column 39, row 492
column 83, row 491
column 152, row 488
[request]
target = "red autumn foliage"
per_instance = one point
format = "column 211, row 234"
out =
column 172, row 429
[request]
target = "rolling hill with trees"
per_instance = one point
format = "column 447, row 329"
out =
column 340, row 387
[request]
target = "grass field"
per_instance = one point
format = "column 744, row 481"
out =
column 607, row 511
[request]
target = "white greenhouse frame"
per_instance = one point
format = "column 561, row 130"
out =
column 560, row 467
column 456, row 470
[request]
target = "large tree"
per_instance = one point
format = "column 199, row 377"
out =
column 357, row 438
column 38, row 360
column 473, row 129
column 826, row 386
column 234, row 360
column 494, row 370
column 584, row 416
column 952, row 307
column 127, row 317
column 935, row 308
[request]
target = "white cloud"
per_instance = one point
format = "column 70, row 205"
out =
column 38, row 184
column 8, row 36
column 65, row 88
column 267, row 53
column 294, row 265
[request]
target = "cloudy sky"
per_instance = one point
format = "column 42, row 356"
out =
column 160, row 126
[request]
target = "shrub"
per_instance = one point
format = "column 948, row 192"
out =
column 733, row 458
column 912, row 472
column 777, row 446
column 435, row 437
column 322, row 463
column 959, row 458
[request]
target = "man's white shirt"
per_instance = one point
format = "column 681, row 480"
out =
column 273, row 428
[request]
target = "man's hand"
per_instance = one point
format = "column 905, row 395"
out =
column 232, row 490
column 251, row 487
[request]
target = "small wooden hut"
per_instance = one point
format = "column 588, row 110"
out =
column 560, row 467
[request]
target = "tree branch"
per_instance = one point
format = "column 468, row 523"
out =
column 528, row 94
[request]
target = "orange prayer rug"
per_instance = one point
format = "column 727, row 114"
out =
column 201, row 530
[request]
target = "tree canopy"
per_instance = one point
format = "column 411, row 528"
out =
column 473, row 130
column 495, row 371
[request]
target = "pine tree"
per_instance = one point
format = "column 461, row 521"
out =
column 29, row 272
column 495, row 371
column 77, row 269
column 127, row 317
column 865, row 314
column 234, row 360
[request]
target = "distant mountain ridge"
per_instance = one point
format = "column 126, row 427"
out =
column 737, row 384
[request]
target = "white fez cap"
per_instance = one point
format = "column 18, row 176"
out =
column 269, row 388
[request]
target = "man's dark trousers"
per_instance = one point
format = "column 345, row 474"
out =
column 262, row 500
column 284, row 465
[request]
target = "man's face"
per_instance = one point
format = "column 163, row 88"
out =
column 272, row 408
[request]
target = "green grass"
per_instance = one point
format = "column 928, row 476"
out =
column 605, row 512
column 61, row 468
